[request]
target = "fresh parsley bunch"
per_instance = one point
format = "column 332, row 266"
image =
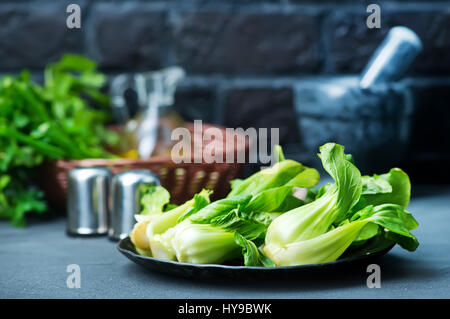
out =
column 50, row 121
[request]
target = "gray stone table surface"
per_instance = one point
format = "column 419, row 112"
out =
column 33, row 264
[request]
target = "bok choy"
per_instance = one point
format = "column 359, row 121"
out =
column 263, row 221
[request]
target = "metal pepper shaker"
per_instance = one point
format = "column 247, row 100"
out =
column 87, row 201
column 126, row 200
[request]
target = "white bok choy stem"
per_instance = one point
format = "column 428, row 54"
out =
column 315, row 218
column 332, row 244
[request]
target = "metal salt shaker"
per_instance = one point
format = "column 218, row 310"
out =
column 87, row 201
column 125, row 200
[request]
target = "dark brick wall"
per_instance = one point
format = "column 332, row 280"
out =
column 243, row 58
column 218, row 41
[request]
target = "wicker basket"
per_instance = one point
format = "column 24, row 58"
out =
column 181, row 180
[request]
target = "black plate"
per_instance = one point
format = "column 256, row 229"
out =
column 208, row 271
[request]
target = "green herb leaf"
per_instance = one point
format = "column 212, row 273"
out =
column 154, row 199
